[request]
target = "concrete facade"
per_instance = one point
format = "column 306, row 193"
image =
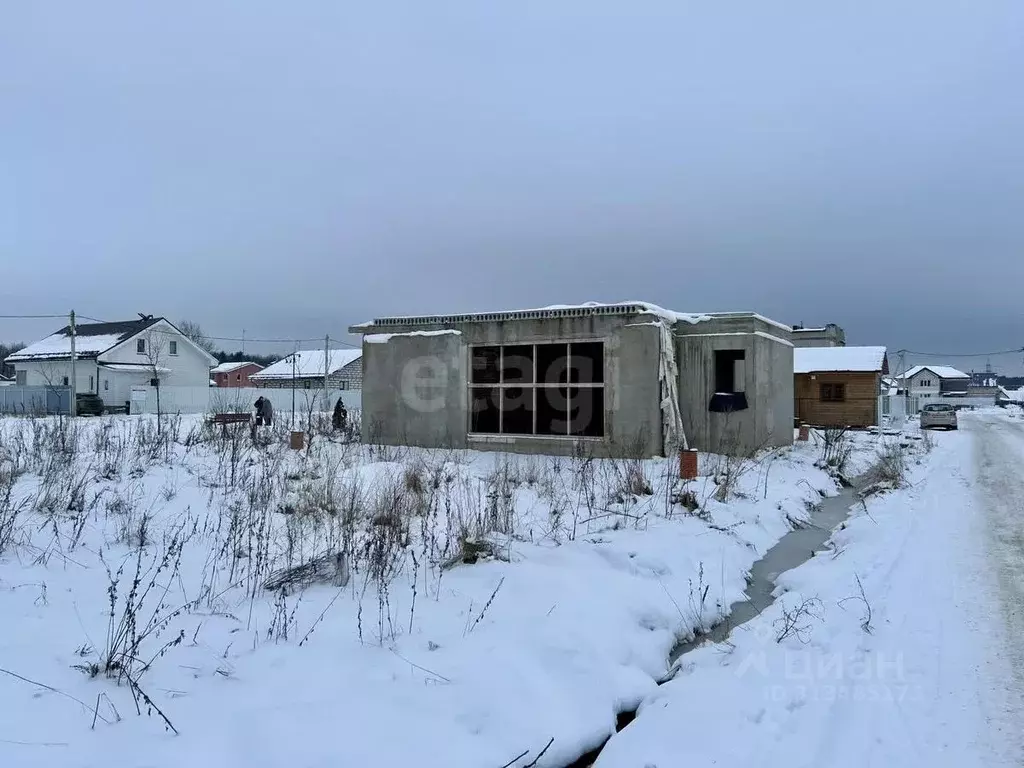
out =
column 767, row 383
column 417, row 379
column 830, row 335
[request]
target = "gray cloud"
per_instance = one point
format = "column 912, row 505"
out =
column 293, row 168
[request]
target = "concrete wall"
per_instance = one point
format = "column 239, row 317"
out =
column 774, row 405
column 830, row 335
column 416, row 389
column 768, row 383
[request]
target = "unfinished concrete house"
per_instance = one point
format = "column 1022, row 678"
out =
column 627, row 379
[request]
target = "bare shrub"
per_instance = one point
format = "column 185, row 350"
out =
column 890, row 468
column 927, row 441
column 865, row 622
column 798, row 620
column 836, row 447
column 685, row 497
column 10, row 510
column 142, row 612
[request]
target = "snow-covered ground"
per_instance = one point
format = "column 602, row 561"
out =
column 909, row 649
column 132, row 573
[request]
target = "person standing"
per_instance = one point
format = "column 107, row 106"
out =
column 340, row 418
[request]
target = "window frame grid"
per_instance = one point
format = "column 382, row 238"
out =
column 534, row 386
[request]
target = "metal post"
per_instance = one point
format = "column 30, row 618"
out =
column 295, row 354
column 327, row 366
column 74, row 382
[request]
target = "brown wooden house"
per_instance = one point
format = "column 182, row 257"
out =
column 838, row 386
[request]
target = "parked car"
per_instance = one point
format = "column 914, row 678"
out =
column 938, row 415
column 88, row 404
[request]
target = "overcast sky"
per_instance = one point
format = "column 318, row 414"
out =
column 293, row 167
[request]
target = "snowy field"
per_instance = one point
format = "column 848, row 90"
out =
column 173, row 597
column 904, row 646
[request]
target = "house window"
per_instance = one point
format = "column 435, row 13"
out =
column 730, row 381
column 140, row 347
column 91, row 381
column 106, row 385
column 342, row 385
column 538, row 389
column 305, row 384
column 21, row 378
column 833, row 393
column 730, row 370
column 238, row 377
column 65, row 381
column 172, row 347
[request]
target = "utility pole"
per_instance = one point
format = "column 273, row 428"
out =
column 327, row 366
column 295, row 354
column 243, row 342
column 74, row 381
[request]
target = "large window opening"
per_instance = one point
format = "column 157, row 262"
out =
column 729, row 370
column 730, row 381
column 538, row 389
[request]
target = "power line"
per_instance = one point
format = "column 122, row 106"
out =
column 34, row 317
column 960, row 354
column 241, row 339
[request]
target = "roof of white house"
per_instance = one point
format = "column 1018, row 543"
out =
column 308, row 364
column 942, row 371
column 862, row 359
column 229, row 367
column 91, row 339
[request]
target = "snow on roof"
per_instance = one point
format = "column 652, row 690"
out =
column 229, row 367
column 557, row 310
column 91, row 339
column 1013, row 395
column 942, row 371
column 307, row 364
column 384, row 338
column 132, row 368
column 812, row 359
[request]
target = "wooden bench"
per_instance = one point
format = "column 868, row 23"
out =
column 224, row 419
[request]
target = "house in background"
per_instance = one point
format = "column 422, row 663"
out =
column 839, row 386
column 830, row 335
column 929, row 381
column 6, row 381
column 113, row 358
column 305, row 370
column 1010, row 397
column 628, row 379
column 234, row 374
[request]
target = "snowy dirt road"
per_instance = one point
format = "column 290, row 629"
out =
column 926, row 669
column 999, row 462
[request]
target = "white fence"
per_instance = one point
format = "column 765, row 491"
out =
column 895, row 409
column 241, row 399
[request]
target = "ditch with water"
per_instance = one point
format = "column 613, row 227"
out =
column 795, row 548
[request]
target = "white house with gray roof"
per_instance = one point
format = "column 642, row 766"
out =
column 929, row 381
column 113, row 358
